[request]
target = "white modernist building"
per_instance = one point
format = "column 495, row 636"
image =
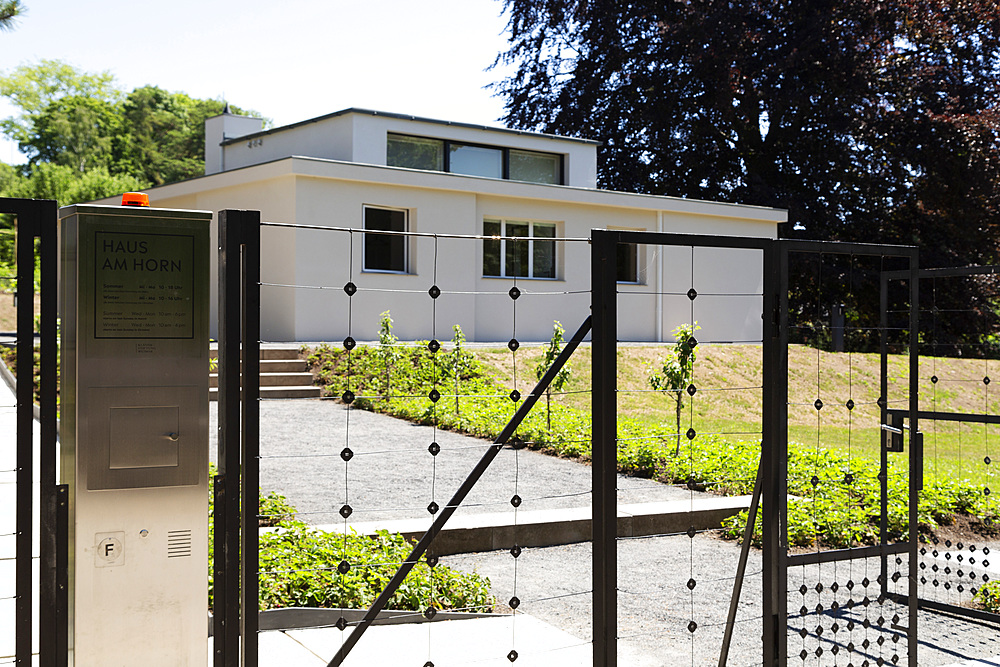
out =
column 533, row 197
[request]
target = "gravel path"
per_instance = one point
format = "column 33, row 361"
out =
column 655, row 605
column 393, row 476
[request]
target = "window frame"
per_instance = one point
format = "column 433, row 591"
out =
column 405, row 240
column 502, row 239
column 504, row 151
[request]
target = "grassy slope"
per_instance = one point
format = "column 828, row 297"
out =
column 728, row 379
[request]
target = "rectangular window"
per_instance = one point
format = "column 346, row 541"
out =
column 475, row 160
column 628, row 263
column 429, row 154
column 519, row 249
column 414, row 152
column 535, row 167
column 385, row 252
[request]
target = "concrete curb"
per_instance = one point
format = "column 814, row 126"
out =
column 302, row 618
column 543, row 528
column 11, row 381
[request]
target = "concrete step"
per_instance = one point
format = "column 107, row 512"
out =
column 284, row 352
column 274, row 379
column 542, row 528
column 278, row 392
column 282, row 374
column 282, row 366
column 269, row 352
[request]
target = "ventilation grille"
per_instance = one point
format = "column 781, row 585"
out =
column 178, row 543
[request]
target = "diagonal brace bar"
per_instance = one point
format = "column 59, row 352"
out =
column 741, row 569
column 421, row 547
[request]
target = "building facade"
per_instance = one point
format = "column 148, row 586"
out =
column 472, row 210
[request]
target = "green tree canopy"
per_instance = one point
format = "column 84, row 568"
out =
column 85, row 137
column 166, row 133
column 32, row 88
column 76, row 131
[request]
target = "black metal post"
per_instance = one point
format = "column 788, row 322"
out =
column 62, row 576
column 37, row 219
column 916, row 454
column 25, row 423
column 774, row 454
column 463, row 490
column 604, row 455
column 226, row 518
column 883, row 523
column 53, row 623
column 250, row 478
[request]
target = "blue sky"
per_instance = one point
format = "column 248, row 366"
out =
column 289, row 60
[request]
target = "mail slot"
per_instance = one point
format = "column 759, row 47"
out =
column 134, row 432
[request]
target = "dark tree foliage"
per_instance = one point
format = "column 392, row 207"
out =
column 9, row 11
column 869, row 121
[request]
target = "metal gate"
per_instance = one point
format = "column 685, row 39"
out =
column 38, row 600
column 957, row 361
column 847, row 590
column 832, row 603
column 237, row 564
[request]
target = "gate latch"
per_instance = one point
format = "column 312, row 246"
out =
column 893, row 440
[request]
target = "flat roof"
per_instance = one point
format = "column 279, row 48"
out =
column 400, row 116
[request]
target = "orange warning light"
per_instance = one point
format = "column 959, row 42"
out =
column 135, row 199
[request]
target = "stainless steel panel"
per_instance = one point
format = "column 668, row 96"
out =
column 134, row 432
column 143, row 437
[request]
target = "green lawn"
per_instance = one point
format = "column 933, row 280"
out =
column 728, row 399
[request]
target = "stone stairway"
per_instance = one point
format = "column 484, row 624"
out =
column 283, row 374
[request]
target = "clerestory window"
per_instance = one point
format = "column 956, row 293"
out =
column 456, row 157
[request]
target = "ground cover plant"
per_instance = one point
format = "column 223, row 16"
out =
column 302, row 566
column 831, row 477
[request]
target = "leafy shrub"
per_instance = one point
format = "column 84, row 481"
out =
column 988, row 596
column 299, row 568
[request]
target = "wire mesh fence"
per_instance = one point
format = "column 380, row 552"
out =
column 689, row 415
column 391, row 343
column 848, row 518
column 958, row 408
column 798, row 389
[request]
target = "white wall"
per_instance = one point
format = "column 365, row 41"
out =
column 328, row 138
column 361, row 137
column 219, row 128
column 333, row 194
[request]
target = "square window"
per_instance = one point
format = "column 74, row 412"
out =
column 519, row 249
column 385, row 252
column 628, row 263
